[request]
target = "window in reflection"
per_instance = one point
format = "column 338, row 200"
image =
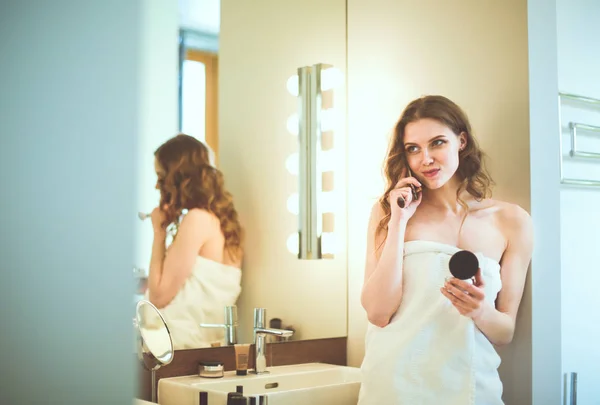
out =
column 194, row 99
column 199, row 114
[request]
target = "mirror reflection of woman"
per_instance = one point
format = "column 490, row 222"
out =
column 198, row 274
column 431, row 338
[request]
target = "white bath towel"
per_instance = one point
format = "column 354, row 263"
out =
column 209, row 289
column 429, row 354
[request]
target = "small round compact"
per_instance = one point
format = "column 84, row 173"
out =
column 463, row 265
column 210, row 369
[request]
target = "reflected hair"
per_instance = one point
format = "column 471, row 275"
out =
column 189, row 180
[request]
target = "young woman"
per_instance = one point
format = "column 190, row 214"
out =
column 431, row 337
column 198, row 274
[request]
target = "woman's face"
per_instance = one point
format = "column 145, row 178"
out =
column 160, row 173
column 432, row 151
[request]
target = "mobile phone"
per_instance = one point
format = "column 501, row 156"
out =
column 415, row 194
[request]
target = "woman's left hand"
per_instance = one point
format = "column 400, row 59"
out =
column 467, row 298
column 159, row 217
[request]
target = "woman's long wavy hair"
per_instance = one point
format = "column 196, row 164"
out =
column 190, row 181
column 471, row 172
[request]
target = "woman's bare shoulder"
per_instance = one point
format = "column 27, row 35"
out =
column 201, row 217
column 377, row 212
column 510, row 211
column 509, row 215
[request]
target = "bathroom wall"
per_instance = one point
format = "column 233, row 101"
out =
column 71, row 127
column 158, row 108
column 578, row 66
column 262, row 43
column 476, row 54
column 544, row 281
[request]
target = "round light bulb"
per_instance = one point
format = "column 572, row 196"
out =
column 292, row 163
column 329, row 244
column 329, row 119
column 293, row 243
column 293, row 204
column 293, row 125
column 292, row 85
column 331, row 78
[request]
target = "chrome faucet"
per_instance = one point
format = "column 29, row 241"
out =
column 260, row 332
column 230, row 325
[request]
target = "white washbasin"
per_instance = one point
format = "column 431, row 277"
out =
column 313, row 383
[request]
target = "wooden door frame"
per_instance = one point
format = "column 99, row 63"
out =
column 211, row 63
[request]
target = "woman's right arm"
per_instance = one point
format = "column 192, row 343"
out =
column 168, row 272
column 382, row 289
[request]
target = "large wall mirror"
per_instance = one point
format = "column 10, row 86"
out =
column 250, row 77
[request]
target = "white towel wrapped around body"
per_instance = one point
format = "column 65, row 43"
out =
column 209, row 289
column 429, row 354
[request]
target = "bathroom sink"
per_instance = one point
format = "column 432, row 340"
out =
column 313, row 383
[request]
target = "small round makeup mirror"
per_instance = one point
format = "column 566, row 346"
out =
column 463, row 265
column 155, row 346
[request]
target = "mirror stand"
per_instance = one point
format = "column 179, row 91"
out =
column 143, row 356
column 154, row 343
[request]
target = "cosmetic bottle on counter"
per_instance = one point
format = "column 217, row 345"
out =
column 239, row 400
column 237, row 397
column 203, row 400
column 242, row 353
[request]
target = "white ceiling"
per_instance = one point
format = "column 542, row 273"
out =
column 201, row 15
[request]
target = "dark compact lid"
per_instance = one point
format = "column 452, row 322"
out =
column 463, row 265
